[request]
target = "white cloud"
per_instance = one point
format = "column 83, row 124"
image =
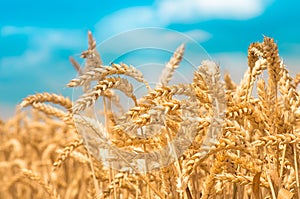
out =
column 159, row 40
column 42, row 42
column 166, row 12
column 127, row 19
column 198, row 35
column 13, row 30
column 40, row 66
column 187, row 11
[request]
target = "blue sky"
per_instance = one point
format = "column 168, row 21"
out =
column 37, row 37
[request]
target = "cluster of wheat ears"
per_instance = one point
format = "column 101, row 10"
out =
column 238, row 140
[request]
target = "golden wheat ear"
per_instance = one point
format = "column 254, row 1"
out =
column 38, row 100
column 297, row 80
column 98, row 74
column 171, row 66
column 89, row 98
column 47, row 97
column 91, row 54
column 209, row 72
column 38, row 180
column 66, row 153
column 93, row 63
column 229, row 83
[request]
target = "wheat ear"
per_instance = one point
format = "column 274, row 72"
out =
column 211, row 73
column 89, row 98
column 47, row 97
column 36, row 178
column 171, row 66
column 100, row 73
column 66, row 153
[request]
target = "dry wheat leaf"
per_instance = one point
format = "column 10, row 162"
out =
column 255, row 186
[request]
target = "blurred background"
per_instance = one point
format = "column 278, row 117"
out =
column 37, row 37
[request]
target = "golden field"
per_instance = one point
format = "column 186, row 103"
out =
column 242, row 139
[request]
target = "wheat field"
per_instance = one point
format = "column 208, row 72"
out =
column 242, row 140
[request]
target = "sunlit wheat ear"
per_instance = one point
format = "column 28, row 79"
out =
column 256, row 64
column 210, row 72
column 125, row 70
column 171, row 66
column 91, row 55
column 229, row 83
column 242, row 89
column 37, row 179
column 50, row 110
column 85, row 78
column 47, row 97
column 92, row 65
column 201, row 89
column 89, row 98
column 254, row 52
column 246, row 86
column 249, row 163
column 168, row 92
column 263, row 99
column 100, row 73
column 66, row 153
column 210, row 181
column 270, row 53
column 290, row 97
column 297, row 80
column 127, row 88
